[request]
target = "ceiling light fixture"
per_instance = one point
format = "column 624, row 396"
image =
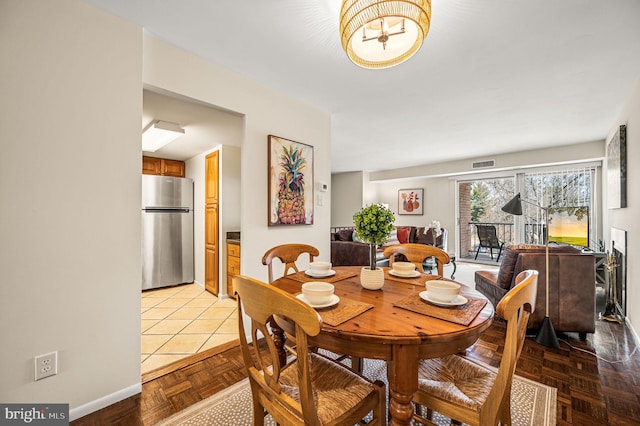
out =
column 380, row 34
column 160, row 133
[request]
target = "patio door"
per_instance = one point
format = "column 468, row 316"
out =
column 479, row 203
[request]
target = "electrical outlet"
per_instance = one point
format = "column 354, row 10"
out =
column 46, row 365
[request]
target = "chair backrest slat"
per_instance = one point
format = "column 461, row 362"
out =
column 288, row 254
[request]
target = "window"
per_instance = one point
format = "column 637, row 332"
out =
column 568, row 194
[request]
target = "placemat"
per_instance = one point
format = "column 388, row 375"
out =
column 343, row 311
column 462, row 314
column 304, row 278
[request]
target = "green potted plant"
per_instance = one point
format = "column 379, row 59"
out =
column 374, row 224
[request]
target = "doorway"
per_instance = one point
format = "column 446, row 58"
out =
column 479, row 203
column 187, row 320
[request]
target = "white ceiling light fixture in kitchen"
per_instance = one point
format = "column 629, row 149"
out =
column 159, row 134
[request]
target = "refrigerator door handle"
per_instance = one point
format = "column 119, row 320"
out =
column 166, row 209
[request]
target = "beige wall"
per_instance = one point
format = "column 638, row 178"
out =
column 70, row 183
column 561, row 154
column 71, row 113
column 265, row 112
column 627, row 218
column 438, row 203
column 346, row 192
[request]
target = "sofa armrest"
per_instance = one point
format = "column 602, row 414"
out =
column 577, row 292
column 571, row 290
column 486, row 283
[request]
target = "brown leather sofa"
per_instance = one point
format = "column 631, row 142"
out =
column 571, row 285
column 345, row 251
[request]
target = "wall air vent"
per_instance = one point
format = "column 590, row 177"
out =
column 483, row 164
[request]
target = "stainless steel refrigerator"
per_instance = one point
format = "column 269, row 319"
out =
column 167, row 231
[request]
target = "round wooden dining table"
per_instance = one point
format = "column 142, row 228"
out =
column 388, row 332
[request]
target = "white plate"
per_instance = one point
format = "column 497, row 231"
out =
column 459, row 300
column 333, row 301
column 412, row 274
column 316, row 275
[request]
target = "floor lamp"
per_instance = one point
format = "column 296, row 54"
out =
column 546, row 334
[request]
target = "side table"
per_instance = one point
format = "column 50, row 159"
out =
column 432, row 263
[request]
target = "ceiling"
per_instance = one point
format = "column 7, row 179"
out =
column 492, row 77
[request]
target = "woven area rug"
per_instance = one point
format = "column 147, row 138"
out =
column 532, row 404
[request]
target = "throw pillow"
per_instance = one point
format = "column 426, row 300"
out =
column 393, row 239
column 403, row 235
column 345, row 235
column 423, row 236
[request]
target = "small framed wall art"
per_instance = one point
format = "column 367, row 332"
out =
column 617, row 169
column 290, row 182
column 410, row 201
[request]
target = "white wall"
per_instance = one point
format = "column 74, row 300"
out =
column 627, row 218
column 70, row 116
column 436, row 202
column 265, row 112
column 70, row 183
column 561, row 154
column 346, row 197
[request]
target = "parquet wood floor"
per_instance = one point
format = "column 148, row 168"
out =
column 591, row 391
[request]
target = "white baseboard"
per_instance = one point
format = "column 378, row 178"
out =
column 105, row 401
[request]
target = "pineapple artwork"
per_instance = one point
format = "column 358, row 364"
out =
column 290, row 182
column 410, row 201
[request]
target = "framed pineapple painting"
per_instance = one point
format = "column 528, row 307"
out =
column 410, row 201
column 290, row 182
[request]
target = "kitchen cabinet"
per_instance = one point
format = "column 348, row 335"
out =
column 233, row 264
column 162, row 167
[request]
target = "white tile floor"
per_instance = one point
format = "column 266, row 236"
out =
column 180, row 321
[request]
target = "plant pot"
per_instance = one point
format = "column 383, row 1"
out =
column 372, row 279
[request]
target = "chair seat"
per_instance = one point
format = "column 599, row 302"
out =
column 456, row 380
column 336, row 390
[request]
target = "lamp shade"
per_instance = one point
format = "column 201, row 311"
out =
column 382, row 33
column 514, row 206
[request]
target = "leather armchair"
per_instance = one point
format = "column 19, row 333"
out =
column 571, row 285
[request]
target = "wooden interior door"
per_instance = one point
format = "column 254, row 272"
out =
column 211, row 258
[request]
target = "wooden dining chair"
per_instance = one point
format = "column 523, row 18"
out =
column 309, row 389
column 288, row 254
column 417, row 254
column 465, row 391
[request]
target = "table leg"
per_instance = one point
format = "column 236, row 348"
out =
column 279, row 339
column 402, row 374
